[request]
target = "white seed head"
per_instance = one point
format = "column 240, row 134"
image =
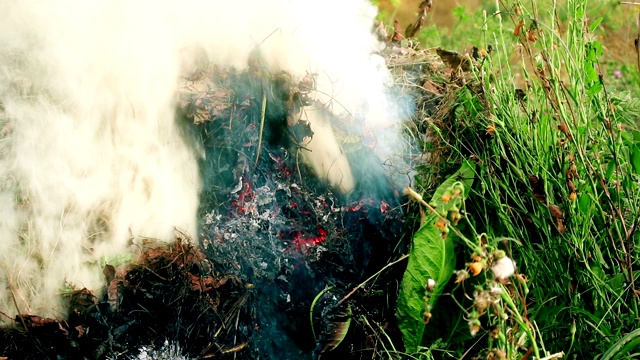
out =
column 503, row 268
column 431, row 284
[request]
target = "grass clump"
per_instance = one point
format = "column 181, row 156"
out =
column 557, row 151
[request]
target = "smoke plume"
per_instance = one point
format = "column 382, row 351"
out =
column 92, row 158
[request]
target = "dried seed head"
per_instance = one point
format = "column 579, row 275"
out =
column 481, row 301
column 494, row 333
column 496, row 354
column 461, row 275
column 572, row 171
column 491, row 130
column 495, row 290
column 522, row 278
column 426, row 317
column 474, row 324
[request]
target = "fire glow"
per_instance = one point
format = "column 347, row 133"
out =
column 95, row 155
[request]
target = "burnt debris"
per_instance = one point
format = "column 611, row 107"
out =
column 273, row 237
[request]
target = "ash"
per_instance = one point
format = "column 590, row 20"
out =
column 267, row 219
column 290, row 241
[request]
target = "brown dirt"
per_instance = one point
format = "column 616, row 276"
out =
column 617, row 40
column 440, row 13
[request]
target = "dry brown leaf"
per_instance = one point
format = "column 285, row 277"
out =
column 454, row 59
column 565, row 130
column 518, row 29
column 397, row 31
column 431, row 87
column 537, row 188
column 570, row 185
column 555, row 211
column 561, row 228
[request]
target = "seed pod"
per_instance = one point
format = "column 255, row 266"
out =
column 565, row 130
column 570, row 185
column 475, row 268
column 555, row 211
column 573, row 196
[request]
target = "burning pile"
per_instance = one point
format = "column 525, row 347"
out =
column 274, row 222
column 274, row 232
column 297, row 183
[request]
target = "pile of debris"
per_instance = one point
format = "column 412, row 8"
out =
column 168, row 293
column 281, row 249
column 270, row 221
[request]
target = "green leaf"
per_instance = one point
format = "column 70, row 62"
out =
column 459, row 13
column 610, row 169
column 584, row 203
column 635, row 158
column 595, row 24
column 623, row 346
column 465, row 175
column 431, row 257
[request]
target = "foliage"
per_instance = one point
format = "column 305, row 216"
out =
column 556, row 141
column 432, row 260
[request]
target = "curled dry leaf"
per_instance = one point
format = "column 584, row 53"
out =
column 561, row 228
column 556, row 214
column 555, row 211
column 537, row 188
column 454, row 59
column 565, row 130
column 518, row 29
column 570, row 185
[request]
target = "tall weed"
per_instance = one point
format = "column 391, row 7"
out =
column 558, row 155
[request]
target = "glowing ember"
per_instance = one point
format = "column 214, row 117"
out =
column 302, row 243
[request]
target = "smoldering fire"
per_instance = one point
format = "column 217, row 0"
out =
column 91, row 156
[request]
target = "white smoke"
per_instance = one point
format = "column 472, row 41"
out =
column 91, row 156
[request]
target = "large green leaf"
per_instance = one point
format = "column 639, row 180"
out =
column 635, row 158
column 464, row 175
column 431, row 257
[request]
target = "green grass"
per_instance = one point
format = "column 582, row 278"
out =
column 570, row 144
